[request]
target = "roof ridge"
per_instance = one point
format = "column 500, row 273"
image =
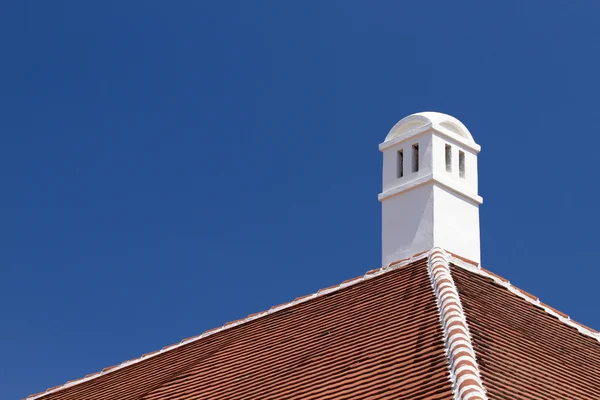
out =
column 349, row 282
column 530, row 298
column 462, row 361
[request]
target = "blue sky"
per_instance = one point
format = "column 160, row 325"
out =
column 166, row 167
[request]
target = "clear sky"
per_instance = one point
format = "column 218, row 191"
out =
column 166, row 167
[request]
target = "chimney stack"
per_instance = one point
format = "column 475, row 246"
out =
column 429, row 197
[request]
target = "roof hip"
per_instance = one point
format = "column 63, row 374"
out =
column 464, row 369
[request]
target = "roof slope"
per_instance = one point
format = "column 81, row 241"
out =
column 432, row 327
column 523, row 351
column 377, row 339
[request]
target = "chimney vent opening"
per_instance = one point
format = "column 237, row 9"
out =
column 400, row 171
column 461, row 164
column 448, row 158
column 415, row 157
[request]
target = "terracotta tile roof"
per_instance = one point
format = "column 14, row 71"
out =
column 377, row 337
column 435, row 326
column 526, row 350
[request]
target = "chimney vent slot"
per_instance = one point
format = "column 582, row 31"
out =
column 400, row 164
column 448, row 158
column 461, row 164
column 415, row 157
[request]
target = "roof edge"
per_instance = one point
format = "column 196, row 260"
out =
column 349, row 282
column 462, row 362
column 476, row 268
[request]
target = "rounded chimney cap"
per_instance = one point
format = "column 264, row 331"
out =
column 423, row 120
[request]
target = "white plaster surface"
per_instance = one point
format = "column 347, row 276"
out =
column 456, row 223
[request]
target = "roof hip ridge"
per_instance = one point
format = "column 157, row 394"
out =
column 462, row 362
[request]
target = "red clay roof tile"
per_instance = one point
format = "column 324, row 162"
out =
column 379, row 339
column 524, row 352
column 301, row 298
column 562, row 314
column 524, row 293
column 495, row 276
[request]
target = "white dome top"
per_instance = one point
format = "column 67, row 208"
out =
column 423, row 120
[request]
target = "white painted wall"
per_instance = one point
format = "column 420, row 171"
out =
column 456, row 223
column 406, row 227
column 431, row 207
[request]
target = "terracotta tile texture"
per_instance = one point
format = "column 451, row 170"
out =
column 378, row 339
column 523, row 352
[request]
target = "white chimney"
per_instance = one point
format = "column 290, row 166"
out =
column 429, row 196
